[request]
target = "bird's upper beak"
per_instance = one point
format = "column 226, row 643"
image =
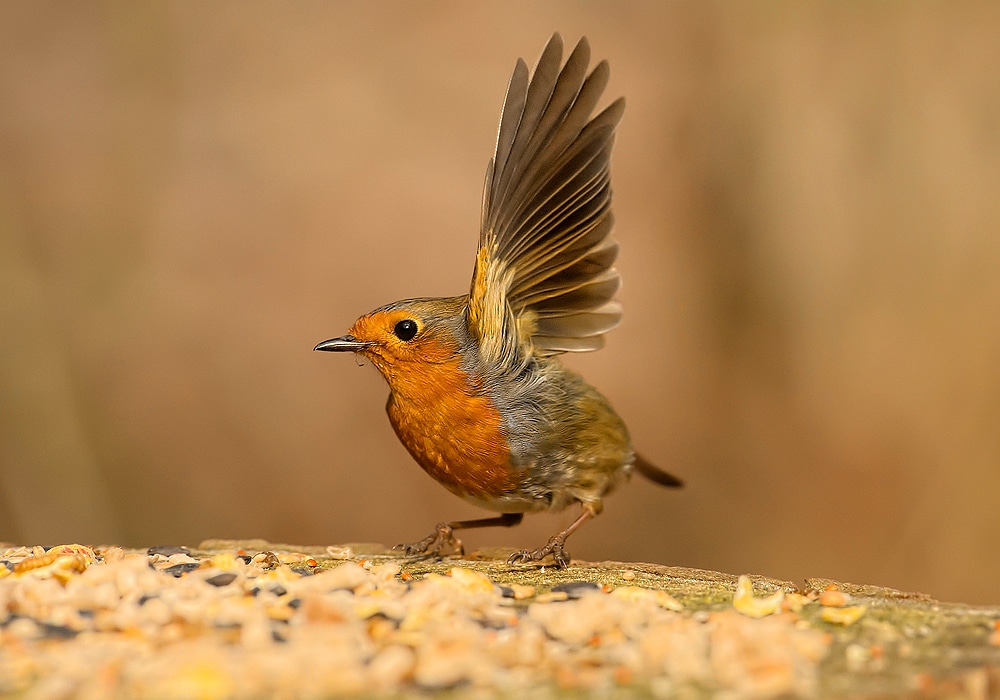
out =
column 345, row 343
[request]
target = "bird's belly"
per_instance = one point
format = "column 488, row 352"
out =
column 460, row 442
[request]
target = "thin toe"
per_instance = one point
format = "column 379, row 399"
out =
column 432, row 545
column 521, row 557
column 410, row 549
column 560, row 557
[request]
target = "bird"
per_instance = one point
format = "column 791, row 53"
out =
column 477, row 392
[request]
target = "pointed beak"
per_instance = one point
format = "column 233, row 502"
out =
column 345, row 343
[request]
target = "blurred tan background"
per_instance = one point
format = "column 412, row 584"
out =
column 807, row 198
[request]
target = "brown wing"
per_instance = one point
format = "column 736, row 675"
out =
column 544, row 269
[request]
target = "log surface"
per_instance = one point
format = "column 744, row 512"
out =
column 257, row 619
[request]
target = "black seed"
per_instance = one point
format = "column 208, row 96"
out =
column 575, row 589
column 57, row 631
column 507, row 591
column 167, row 550
column 223, row 579
column 295, row 603
column 277, row 589
column 302, row 571
column 178, row 570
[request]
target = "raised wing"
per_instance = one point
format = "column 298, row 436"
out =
column 544, row 270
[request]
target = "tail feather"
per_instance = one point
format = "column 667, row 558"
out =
column 655, row 474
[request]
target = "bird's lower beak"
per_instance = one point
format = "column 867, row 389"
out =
column 345, row 343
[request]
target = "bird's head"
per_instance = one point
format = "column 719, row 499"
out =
column 406, row 336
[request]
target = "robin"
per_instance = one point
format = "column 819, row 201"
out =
column 477, row 393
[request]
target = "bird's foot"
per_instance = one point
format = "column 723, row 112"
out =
column 555, row 547
column 431, row 546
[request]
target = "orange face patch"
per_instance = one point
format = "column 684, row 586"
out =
column 387, row 348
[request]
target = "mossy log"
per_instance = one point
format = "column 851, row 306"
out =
column 257, row 619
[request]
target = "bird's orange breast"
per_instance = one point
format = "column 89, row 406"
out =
column 452, row 429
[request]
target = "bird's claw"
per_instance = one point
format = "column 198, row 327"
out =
column 431, row 546
column 555, row 547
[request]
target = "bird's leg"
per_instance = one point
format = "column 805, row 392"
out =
column 555, row 545
column 443, row 535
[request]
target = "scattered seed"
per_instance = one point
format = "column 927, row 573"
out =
column 551, row 597
column 843, row 616
column 50, row 631
column 268, row 560
column 178, row 570
column 636, row 593
column 167, row 550
column 794, row 602
column 833, row 598
column 747, row 604
column 339, row 552
column 575, row 589
column 522, row 592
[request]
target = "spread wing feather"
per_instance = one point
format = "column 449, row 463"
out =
column 545, row 262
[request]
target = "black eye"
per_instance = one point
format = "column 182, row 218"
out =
column 405, row 329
